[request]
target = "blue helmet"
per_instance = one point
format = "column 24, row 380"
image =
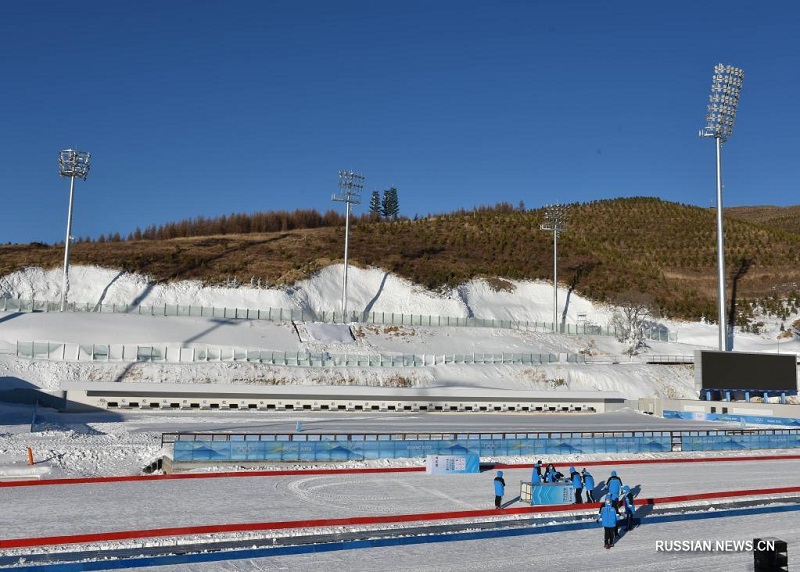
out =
column 499, row 473
column 626, row 489
column 572, row 469
column 613, row 473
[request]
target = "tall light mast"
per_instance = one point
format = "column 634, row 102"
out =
column 723, row 101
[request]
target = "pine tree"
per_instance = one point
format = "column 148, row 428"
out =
column 390, row 206
column 375, row 204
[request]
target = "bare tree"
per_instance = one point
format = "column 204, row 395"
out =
column 634, row 311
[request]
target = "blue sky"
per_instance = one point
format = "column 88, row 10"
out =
column 207, row 108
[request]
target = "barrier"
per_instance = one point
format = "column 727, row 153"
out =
column 546, row 493
column 655, row 333
column 383, row 470
column 203, row 353
column 733, row 418
column 224, row 447
column 452, row 464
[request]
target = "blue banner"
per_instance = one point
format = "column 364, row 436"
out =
column 731, row 418
column 332, row 449
column 552, row 493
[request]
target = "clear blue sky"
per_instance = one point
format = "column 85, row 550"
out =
column 206, row 108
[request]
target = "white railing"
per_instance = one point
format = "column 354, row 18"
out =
column 54, row 351
column 657, row 333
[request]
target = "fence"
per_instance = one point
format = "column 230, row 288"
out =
column 338, row 447
column 163, row 353
column 655, row 333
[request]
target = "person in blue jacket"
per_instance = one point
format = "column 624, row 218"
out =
column 588, row 484
column 630, row 509
column 550, row 473
column 614, row 484
column 608, row 518
column 499, row 489
column 577, row 484
column 536, row 475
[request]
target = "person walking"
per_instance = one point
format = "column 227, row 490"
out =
column 608, row 518
column 614, row 484
column 577, row 484
column 588, row 484
column 499, row 490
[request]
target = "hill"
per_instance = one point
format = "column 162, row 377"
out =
column 611, row 249
column 783, row 218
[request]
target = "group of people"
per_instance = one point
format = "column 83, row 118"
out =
column 616, row 507
column 579, row 481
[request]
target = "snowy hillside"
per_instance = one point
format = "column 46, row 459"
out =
column 368, row 290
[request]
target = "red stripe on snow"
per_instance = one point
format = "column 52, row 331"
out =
column 229, row 474
column 294, row 472
column 360, row 520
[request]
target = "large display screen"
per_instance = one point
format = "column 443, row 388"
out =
column 739, row 370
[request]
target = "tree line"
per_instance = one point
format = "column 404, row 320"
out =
column 386, row 207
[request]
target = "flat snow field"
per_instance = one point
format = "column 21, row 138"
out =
column 577, row 551
column 153, row 504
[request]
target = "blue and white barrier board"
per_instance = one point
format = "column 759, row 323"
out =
column 546, row 493
column 452, row 464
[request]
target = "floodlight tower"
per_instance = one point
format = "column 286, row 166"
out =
column 556, row 221
column 350, row 185
column 725, row 89
column 71, row 164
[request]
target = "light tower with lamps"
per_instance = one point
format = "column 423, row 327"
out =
column 555, row 221
column 350, row 186
column 725, row 89
column 71, row 164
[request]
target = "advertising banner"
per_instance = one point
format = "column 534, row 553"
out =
column 450, row 464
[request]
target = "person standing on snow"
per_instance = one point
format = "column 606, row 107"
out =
column 630, row 509
column 499, row 489
column 588, row 484
column 608, row 518
column 614, row 484
column 577, row 484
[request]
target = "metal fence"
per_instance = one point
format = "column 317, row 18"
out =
column 655, row 333
column 162, row 353
column 337, row 447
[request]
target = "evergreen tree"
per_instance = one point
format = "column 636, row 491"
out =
column 390, row 206
column 375, row 204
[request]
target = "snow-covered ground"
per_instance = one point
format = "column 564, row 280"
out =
column 115, row 443
column 106, row 445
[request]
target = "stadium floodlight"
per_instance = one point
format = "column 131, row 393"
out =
column 722, row 103
column 350, row 186
column 555, row 221
column 71, row 164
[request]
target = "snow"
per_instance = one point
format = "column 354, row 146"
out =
column 116, row 443
column 368, row 290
